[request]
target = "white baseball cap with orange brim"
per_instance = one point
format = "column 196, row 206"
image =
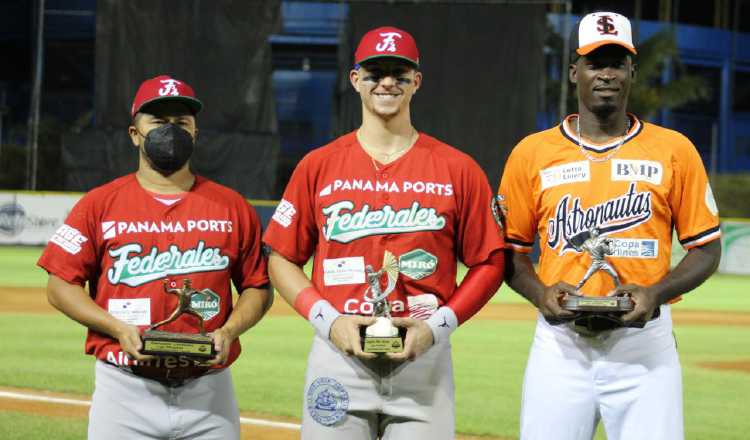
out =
column 602, row 28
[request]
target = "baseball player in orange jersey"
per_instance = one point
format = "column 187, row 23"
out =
column 384, row 187
column 125, row 238
column 605, row 168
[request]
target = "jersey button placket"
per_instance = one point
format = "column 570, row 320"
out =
column 170, row 236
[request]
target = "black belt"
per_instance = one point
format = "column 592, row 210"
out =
column 169, row 377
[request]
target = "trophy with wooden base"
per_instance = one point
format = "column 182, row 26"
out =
column 383, row 336
column 597, row 313
column 194, row 345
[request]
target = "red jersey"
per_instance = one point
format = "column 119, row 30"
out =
column 124, row 243
column 429, row 208
column 634, row 195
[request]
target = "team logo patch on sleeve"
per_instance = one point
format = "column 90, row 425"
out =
column 284, row 213
column 499, row 210
column 68, row 238
column 327, row 401
column 710, row 201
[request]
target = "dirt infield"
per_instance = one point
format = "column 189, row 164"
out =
column 34, row 300
column 741, row 366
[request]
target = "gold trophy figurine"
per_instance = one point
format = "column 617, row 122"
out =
column 383, row 336
column 161, row 343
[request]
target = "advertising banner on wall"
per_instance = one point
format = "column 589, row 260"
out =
column 31, row 218
column 735, row 247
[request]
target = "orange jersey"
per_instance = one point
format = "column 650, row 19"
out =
column 633, row 195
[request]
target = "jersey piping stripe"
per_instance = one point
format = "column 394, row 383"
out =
column 603, row 148
column 518, row 245
column 703, row 237
column 518, row 242
column 523, row 249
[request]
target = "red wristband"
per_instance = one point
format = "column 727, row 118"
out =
column 305, row 300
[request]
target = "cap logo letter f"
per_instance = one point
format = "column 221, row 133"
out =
column 170, row 87
column 388, row 43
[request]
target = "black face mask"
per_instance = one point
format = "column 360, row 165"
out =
column 168, row 148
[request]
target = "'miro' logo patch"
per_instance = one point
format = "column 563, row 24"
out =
column 207, row 303
column 417, row 264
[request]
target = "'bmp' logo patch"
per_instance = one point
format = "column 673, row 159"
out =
column 637, row 170
column 417, row 264
column 207, row 303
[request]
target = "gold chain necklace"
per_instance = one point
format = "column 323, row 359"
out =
column 388, row 156
column 608, row 156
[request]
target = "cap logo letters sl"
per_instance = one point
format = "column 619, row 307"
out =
column 388, row 43
column 605, row 25
column 170, row 87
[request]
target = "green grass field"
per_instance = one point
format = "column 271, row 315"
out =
column 489, row 356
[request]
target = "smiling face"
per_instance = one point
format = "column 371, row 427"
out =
column 386, row 86
column 603, row 79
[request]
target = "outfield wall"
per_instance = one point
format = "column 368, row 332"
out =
column 30, row 218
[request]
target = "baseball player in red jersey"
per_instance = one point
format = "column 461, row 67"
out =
column 384, row 187
column 623, row 185
column 125, row 238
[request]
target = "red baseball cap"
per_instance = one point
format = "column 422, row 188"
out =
column 389, row 42
column 164, row 87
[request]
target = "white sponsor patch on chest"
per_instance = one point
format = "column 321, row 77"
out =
column 339, row 271
column 634, row 248
column 135, row 311
column 565, row 173
column 637, row 170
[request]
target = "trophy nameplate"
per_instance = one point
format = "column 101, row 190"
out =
column 162, row 343
column 597, row 303
column 383, row 336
